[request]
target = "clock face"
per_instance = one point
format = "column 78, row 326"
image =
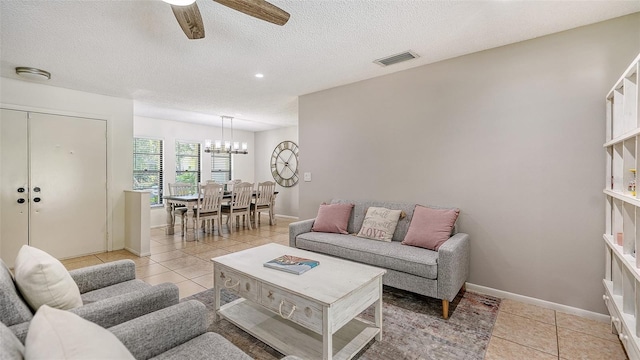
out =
column 284, row 163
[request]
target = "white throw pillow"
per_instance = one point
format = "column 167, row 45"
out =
column 379, row 223
column 59, row 334
column 42, row 279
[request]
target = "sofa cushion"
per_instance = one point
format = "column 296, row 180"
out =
column 360, row 210
column 379, row 223
column 332, row 218
column 389, row 255
column 114, row 290
column 13, row 308
column 58, row 334
column 430, row 228
column 42, row 279
column 10, row 346
column 206, row 346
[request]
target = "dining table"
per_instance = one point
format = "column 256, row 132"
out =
column 190, row 202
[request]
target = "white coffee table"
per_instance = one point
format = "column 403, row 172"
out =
column 312, row 315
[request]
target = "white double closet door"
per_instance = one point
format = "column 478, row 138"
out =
column 53, row 182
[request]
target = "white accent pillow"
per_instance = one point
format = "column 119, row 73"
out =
column 42, row 279
column 59, row 334
column 379, row 223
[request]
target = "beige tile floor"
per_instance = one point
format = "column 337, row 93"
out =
column 521, row 331
column 524, row 331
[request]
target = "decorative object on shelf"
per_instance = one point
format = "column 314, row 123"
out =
column 284, row 163
column 33, row 73
column 619, row 238
column 225, row 146
column 632, row 183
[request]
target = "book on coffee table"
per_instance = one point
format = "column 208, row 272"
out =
column 292, row 264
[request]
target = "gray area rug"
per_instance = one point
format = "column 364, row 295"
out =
column 413, row 327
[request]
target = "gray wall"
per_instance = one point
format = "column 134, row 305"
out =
column 265, row 142
column 512, row 136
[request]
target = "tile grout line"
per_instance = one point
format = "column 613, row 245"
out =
column 557, row 326
column 589, row 334
column 528, row 318
column 537, row 321
column 526, row 346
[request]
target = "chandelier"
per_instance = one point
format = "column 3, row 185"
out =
column 223, row 146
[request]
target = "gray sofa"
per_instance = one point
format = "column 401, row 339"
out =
column 439, row 274
column 110, row 293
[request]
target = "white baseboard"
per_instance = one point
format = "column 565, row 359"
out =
column 287, row 217
column 542, row 303
column 137, row 253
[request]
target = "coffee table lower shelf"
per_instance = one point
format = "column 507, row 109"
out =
column 292, row 339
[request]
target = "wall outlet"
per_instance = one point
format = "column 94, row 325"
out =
column 307, row 176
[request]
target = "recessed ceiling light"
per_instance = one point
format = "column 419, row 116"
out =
column 260, row 76
column 33, row 73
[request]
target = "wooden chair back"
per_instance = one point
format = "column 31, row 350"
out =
column 265, row 193
column 179, row 189
column 231, row 183
column 210, row 199
column 241, row 196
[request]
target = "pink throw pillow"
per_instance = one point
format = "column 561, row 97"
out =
column 429, row 227
column 332, row 218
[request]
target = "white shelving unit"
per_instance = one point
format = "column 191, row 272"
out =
column 622, row 210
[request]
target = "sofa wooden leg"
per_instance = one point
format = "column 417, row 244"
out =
column 445, row 309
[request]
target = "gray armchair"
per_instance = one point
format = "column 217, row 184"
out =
column 177, row 332
column 110, row 292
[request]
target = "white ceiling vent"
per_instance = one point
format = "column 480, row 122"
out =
column 397, row 58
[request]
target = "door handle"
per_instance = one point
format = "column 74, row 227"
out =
column 37, row 199
column 20, row 189
column 36, row 189
column 21, row 201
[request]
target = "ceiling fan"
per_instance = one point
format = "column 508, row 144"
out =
column 188, row 14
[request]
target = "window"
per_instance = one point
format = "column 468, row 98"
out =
column 147, row 167
column 188, row 163
column 221, row 168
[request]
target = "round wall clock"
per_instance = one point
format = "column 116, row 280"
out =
column 284, row 163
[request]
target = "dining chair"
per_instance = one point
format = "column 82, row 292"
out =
column 179, row 189
column 231, row 183
column 240, row 204
column 263, row 201
column 209, row 206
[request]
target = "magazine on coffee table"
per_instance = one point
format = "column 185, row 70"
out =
column 292, row 264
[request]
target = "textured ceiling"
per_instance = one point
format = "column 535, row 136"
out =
column 135, row 49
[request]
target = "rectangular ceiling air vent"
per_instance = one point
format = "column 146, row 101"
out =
column 397, row 58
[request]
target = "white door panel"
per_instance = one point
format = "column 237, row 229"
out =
column 14, row 217
column 68, row 164
column 66, row 158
